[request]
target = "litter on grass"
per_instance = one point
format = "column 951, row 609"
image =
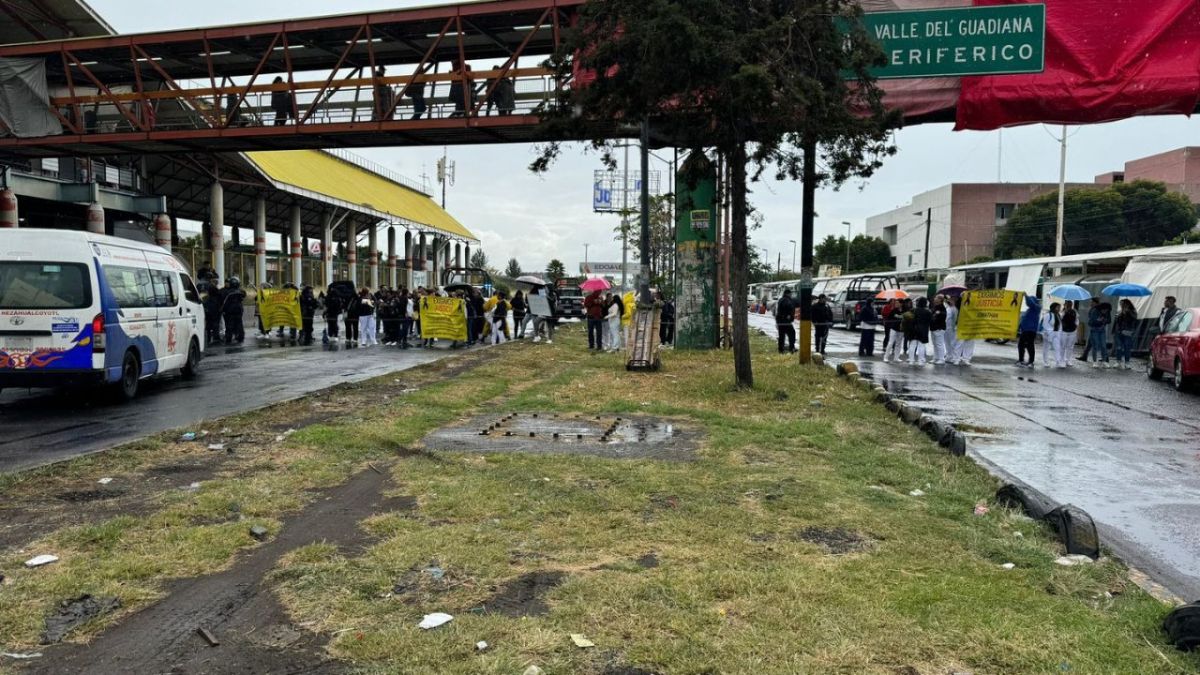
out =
column 434, row 620
column 917, row 493
column 581, row 641
column 216, row 447
column 41, row 560
column 1073, row 559
column 981, row 509
column 481, row 646
column 104, row 481
column 1008, row 566
column 15, row 655
column 188, row 437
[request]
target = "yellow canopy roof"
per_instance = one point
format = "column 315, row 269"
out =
column 322, row 173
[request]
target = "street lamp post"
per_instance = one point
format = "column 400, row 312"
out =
column 847, row 224
column 585, row 258
column 793, row 243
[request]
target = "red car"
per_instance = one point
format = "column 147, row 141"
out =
column 1177, row 349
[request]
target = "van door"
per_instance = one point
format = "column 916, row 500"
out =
column 172, row 352
column 46, row 312
column 136, row 311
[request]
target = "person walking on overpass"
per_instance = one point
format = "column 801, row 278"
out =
column 283, row 104
column 867, row 320
column 1123, row 329
column 385, row 97
column 894, row 347
column 937, row 330
column 822, row 319
column 1028, row 330
column 785, row 318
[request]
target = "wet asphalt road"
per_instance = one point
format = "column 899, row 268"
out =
column 45, row 426
column 1123, row 448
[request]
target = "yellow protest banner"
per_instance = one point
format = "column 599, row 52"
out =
column 990, row 315
column 279, row 307
column 443, row 318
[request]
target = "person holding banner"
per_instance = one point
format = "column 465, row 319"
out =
column 966, row 348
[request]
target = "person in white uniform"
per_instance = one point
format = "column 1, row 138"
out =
column 1052, row 336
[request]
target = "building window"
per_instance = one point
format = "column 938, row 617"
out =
column 1004, row 212
column 890, row 234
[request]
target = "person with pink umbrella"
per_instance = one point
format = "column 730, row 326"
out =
column 593, row 307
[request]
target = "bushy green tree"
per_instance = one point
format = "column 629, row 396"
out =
column 513, row 269
column 867, row 254
column 755, row 80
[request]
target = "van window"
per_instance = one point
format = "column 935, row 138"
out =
column 164, row 289
column 189, row 289
column 131, row 286
column 43, row 285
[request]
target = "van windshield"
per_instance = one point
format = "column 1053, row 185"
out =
column 43, row 285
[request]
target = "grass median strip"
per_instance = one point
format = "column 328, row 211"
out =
column 787, row 542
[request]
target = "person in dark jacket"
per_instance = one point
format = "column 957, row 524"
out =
column 504, row 96
column 785, row 322
column 519, row 308
column 918, row 334
column 1123, row 330
column 937, row 330
column 308, row 310
column 212, row 315
column 385, row 97
column 867, row 320
column 822, row 320
column 478, row 303
column 350, row 320
column 1099, row 318
column 233, row 300
column 1028, row 329
column 666, row 328
column 462, row 89
column 333, row 308
column 416, row 91
column 282, row 104
column 593, row 307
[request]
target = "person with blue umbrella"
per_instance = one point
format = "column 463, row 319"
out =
column 1123, row 330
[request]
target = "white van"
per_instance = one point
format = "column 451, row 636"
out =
column 81, row 308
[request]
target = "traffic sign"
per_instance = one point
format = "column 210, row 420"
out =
column 960, row 41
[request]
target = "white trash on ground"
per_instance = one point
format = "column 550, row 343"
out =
column 39, row 561
column 434, row 620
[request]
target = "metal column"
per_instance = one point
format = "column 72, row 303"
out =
column 352, row 252
column 373, row 255
column 8, row 209
column 297, row 241
column 260, row 241
column 408, row 259
column 391, row 244
column 162, row 230
column 458, row 254
column 327, row 246
column 216, row 219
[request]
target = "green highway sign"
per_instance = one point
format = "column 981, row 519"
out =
column 992, row 40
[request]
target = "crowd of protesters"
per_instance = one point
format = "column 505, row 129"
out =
column 921, row 331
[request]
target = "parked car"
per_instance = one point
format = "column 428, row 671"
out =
column 847, row 303
column 1177, row 350
column 78, row 308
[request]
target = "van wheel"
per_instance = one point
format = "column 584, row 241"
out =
column 192, row 368
column 131, row 373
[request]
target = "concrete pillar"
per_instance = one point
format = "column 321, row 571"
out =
column 422, row 256
column 352, row 252
column 297, row 248
column 458, row 254
column 235, row 236
column 393, row 281
column 373, row 256
column 408, row 259
column 434, row 278
column 162, row 230
column 216, row 219
column 95, row 218
column 327, row 246
column 8, row 209
column 260, row 241
column 467, row 255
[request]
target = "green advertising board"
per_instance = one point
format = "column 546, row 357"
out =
column 992, row 40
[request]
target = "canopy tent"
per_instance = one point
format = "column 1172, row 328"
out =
column 1177, row 276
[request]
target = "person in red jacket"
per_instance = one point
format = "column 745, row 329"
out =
column 593, row 306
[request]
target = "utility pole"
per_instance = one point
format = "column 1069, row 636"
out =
column 928, row 234
column 793, row 243
column 1062, row 193
column 625, row 222
column 586, row 268
column 644, row 290
column 807, row 218
column 847, row 224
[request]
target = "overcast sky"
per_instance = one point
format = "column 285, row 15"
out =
column 534, row 219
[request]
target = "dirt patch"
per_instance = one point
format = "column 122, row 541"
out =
column 525, row 595
column 84, row 496
column 255, row 633
column 72, row 614
column 648, row 561
column 611, row 436
column 835, row 540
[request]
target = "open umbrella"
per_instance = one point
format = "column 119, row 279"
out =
column 892, row 294
column 530, row 280
column 597, row 284
column 1127, row 291
column 1071, row 292
column 952, row 291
